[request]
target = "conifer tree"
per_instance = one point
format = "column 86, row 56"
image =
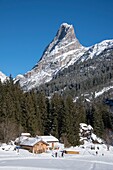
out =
column 80, row 111
column 54, row 115
column 48, row 123
column 28, row 118
column 41, row 104
column 37, row 114
column 8, row 110
column 71, row 122
column 98, row 121
column 57, row 115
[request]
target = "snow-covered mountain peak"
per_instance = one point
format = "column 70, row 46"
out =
column 63, row 51
column 2, row 77
column 65, row 29
column 65, row 40
column 64, row 48
column 66, row 25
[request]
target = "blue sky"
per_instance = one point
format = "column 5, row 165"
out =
column 28, row 26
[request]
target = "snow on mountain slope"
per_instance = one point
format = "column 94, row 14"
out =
column 2, row 77
column 97, row 49
column 64, row 50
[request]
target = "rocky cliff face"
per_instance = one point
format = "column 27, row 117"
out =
column 64, row 50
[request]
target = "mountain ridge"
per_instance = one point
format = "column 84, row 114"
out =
column 62, row 52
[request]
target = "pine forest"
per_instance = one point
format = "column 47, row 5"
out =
column 57, row 115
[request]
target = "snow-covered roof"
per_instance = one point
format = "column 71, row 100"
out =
column 31, row 141
column 49, row 138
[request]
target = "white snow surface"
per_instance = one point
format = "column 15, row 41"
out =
column 86, row 159
column 97, row 49
column 3, row 77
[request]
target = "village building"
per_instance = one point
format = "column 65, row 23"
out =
column 37, row 144
column 51, row 140
column 34, row 145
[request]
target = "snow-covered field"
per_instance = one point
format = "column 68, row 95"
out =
column 87, row 160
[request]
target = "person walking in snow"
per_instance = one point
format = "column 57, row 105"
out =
column 56, row 154
column 62, row 154
column 96, row 152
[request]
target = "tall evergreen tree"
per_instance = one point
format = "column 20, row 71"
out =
column 57, row 115
column 71, row 123
column 98, row 121
column 42, row 105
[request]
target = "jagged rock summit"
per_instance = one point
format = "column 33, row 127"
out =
column 64, row 50
column 64, row 38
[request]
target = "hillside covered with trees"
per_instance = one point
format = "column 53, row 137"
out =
column 83, row 77
column 58, row 115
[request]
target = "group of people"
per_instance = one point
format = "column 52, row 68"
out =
column 58, row 153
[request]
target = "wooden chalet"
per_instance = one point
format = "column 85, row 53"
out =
column 34, row 145
column 51, row 140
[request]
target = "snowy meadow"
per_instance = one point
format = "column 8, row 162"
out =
column 87, row 159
